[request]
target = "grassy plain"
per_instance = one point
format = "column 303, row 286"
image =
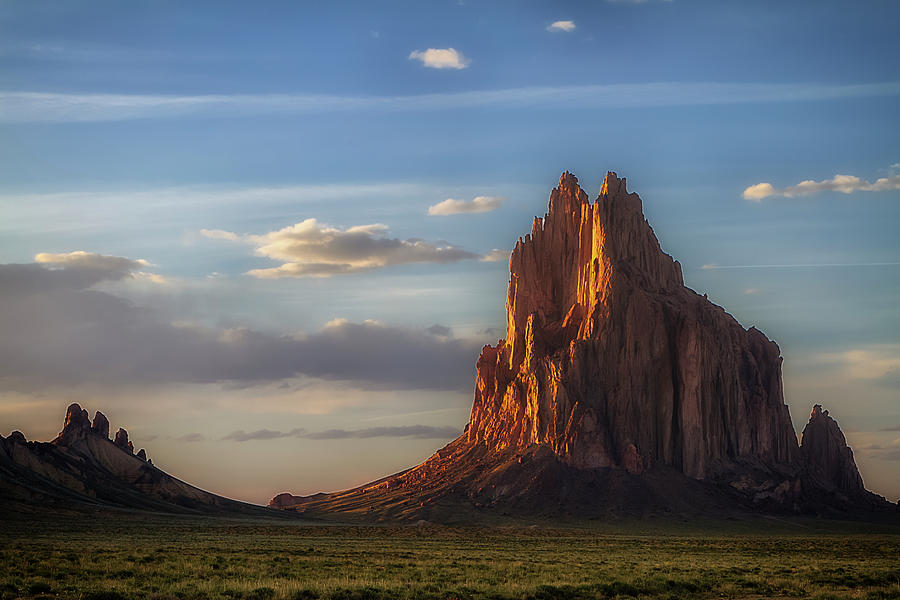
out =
column 167, row 558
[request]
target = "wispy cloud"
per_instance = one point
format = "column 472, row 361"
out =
column 19, row 107
column 714, row 266
column 312, row 249
column 440, row 58
column 422, row 432
column 845, row 184
column 873, row 362
column 565, row 26
column 479, row 204
column 191, row 437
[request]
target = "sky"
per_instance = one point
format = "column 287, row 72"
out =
column 270, row 239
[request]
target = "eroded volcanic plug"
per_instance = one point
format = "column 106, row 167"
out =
column 617, row 389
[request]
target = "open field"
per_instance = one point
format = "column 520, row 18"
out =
column 181, row 558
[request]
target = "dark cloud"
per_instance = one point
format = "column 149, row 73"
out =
column 56, row 329
column 440, row 330
column 422, row 432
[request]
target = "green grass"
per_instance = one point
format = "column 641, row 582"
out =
column 134, row 558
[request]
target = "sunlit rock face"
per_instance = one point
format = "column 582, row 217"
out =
column 617, row 391
column 610, row 361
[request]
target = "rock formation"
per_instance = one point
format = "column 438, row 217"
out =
column 616, row 387
column 826, row 455
column 610, row 361
column 83, row 469
column 100, row 426
column 122, row 441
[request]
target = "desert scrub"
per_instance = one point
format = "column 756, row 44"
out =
column 232, row 560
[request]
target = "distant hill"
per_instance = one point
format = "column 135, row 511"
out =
column 83, row 469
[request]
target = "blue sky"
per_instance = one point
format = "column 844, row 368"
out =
column 187, row 136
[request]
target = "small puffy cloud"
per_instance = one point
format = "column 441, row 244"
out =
column 420, row 432
column 566, row 26
column 312, row 249
column 480, row 204
column 845, row 184
column 759, row 191
column 440, row 58
column 496, row 255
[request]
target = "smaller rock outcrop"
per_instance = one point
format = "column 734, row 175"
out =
column 100, row 426
column 122, row 441
column 827, row 457
column 82, row 469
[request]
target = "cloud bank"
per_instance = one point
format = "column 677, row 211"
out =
column 312, row 249
column 440, row 58
column 58, row 329
column 479, row 204
column 420, row 432
column 24, row 107
column 845, row 184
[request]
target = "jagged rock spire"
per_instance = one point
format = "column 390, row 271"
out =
column 610, row 361
column 826, row 454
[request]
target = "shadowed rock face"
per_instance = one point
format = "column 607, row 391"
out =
column 100, row 426
column 611, row 362
column 82, row 468
column 826, row 454
column 617, row 389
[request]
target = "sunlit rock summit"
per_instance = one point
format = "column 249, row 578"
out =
column 617, row 389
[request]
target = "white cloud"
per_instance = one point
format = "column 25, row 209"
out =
column 479, row 204
column 759, row 191
column 89, row 260
column 845, row 184
column 312, row 249
column 104, row 267
column 496, row 255
column 218, row 234
column 562, row 26
column 440, row 58
column 23, row 107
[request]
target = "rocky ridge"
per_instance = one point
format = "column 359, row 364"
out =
column 83, row 469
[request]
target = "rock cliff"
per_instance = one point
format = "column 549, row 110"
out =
column 610, row 361
column 617, row 389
